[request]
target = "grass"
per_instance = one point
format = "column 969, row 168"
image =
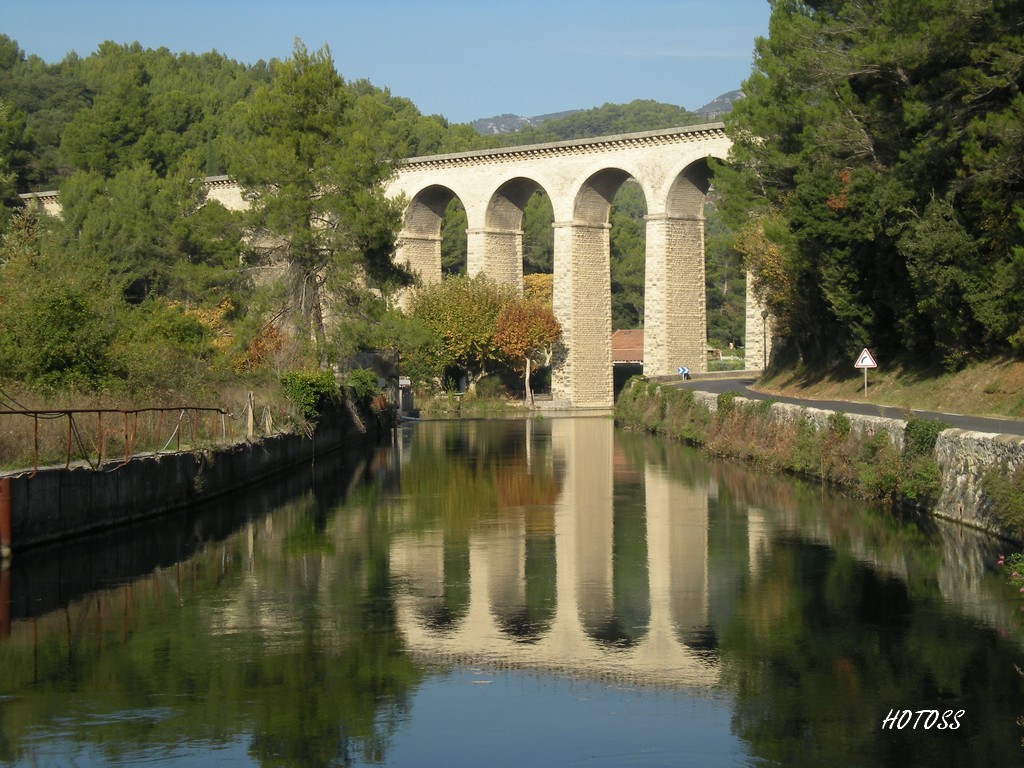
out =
column 990, row 388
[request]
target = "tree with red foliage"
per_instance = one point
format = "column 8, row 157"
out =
column 526, row 332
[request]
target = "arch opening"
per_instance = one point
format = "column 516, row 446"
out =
column 688, row 193
column 431, row 219
column 454, row 239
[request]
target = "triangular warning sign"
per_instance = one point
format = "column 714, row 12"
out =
column 865, row 360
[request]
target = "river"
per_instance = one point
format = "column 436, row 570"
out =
column 542, row 592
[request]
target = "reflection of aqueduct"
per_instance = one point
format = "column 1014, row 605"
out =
column 580, row 178
column 642, row 618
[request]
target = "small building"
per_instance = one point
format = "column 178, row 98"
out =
column 627, row 357
column 628, row 347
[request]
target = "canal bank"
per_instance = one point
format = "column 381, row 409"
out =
column 917, row 463
column 51, row 504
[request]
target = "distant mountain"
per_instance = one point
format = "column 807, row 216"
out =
column 722, row 105
column 509, row 123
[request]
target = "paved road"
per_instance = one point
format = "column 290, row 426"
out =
column 975, row 423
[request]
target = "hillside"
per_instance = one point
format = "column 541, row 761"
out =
column 716, row 108
column 509, row 123
column 640, row 110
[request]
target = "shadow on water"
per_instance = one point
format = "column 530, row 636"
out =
column 49, row 577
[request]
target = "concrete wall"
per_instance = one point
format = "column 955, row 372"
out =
column 57, row 503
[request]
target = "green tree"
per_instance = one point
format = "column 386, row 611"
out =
column 47, row 96
column 14, row 159
column 725, row 283
column 882, row 140
column 312, row 172
column 462, row 314
column 538, row 234
column 152, row 235
column 454, row 246
column 105, row 138
column 628, row 253
column 57, row 320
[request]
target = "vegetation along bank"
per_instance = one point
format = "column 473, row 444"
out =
column 972, row 477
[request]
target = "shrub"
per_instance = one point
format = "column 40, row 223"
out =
column 763, row 408
column 919, row 474
column 806, row 457
column 920, row 436
column 920, row 480
column 361, row 384
column 839, row 425
column 726, row 403
column 879, row 467
column 311, row 391
column 1004, row 488
column 491, row 388
column 62, row 338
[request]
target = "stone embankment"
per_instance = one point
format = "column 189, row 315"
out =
column 55, row 503
column 961, row 457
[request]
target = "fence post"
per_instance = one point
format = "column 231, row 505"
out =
column 250, row 417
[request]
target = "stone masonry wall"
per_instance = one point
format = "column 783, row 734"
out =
column 591, row 375
column 961, row 456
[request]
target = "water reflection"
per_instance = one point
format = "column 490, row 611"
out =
column 302, row 623
column 605, row 582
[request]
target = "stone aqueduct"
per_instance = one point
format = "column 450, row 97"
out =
column 580, row 178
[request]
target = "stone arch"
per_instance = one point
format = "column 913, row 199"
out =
column 425, row 211
column 583, row 358
column 688, row 191
column 505, row 208
column 496, row 248
column 617, row 611
column 580, row 178
column 445, row 612
column 419, row 243
column 594, row 200
column 524, row 607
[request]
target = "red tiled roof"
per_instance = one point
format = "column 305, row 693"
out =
column 628, row 346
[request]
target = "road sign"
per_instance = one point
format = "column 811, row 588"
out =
column 865, row 360
column 683, row 371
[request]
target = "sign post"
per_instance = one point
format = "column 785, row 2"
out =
column 865, row 361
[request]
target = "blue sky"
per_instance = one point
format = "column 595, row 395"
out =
column 463, row 59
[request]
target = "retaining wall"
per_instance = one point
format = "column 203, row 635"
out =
column 961, row 456
column 56, row 503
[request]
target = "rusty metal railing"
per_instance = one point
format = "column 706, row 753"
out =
column 123, row 425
